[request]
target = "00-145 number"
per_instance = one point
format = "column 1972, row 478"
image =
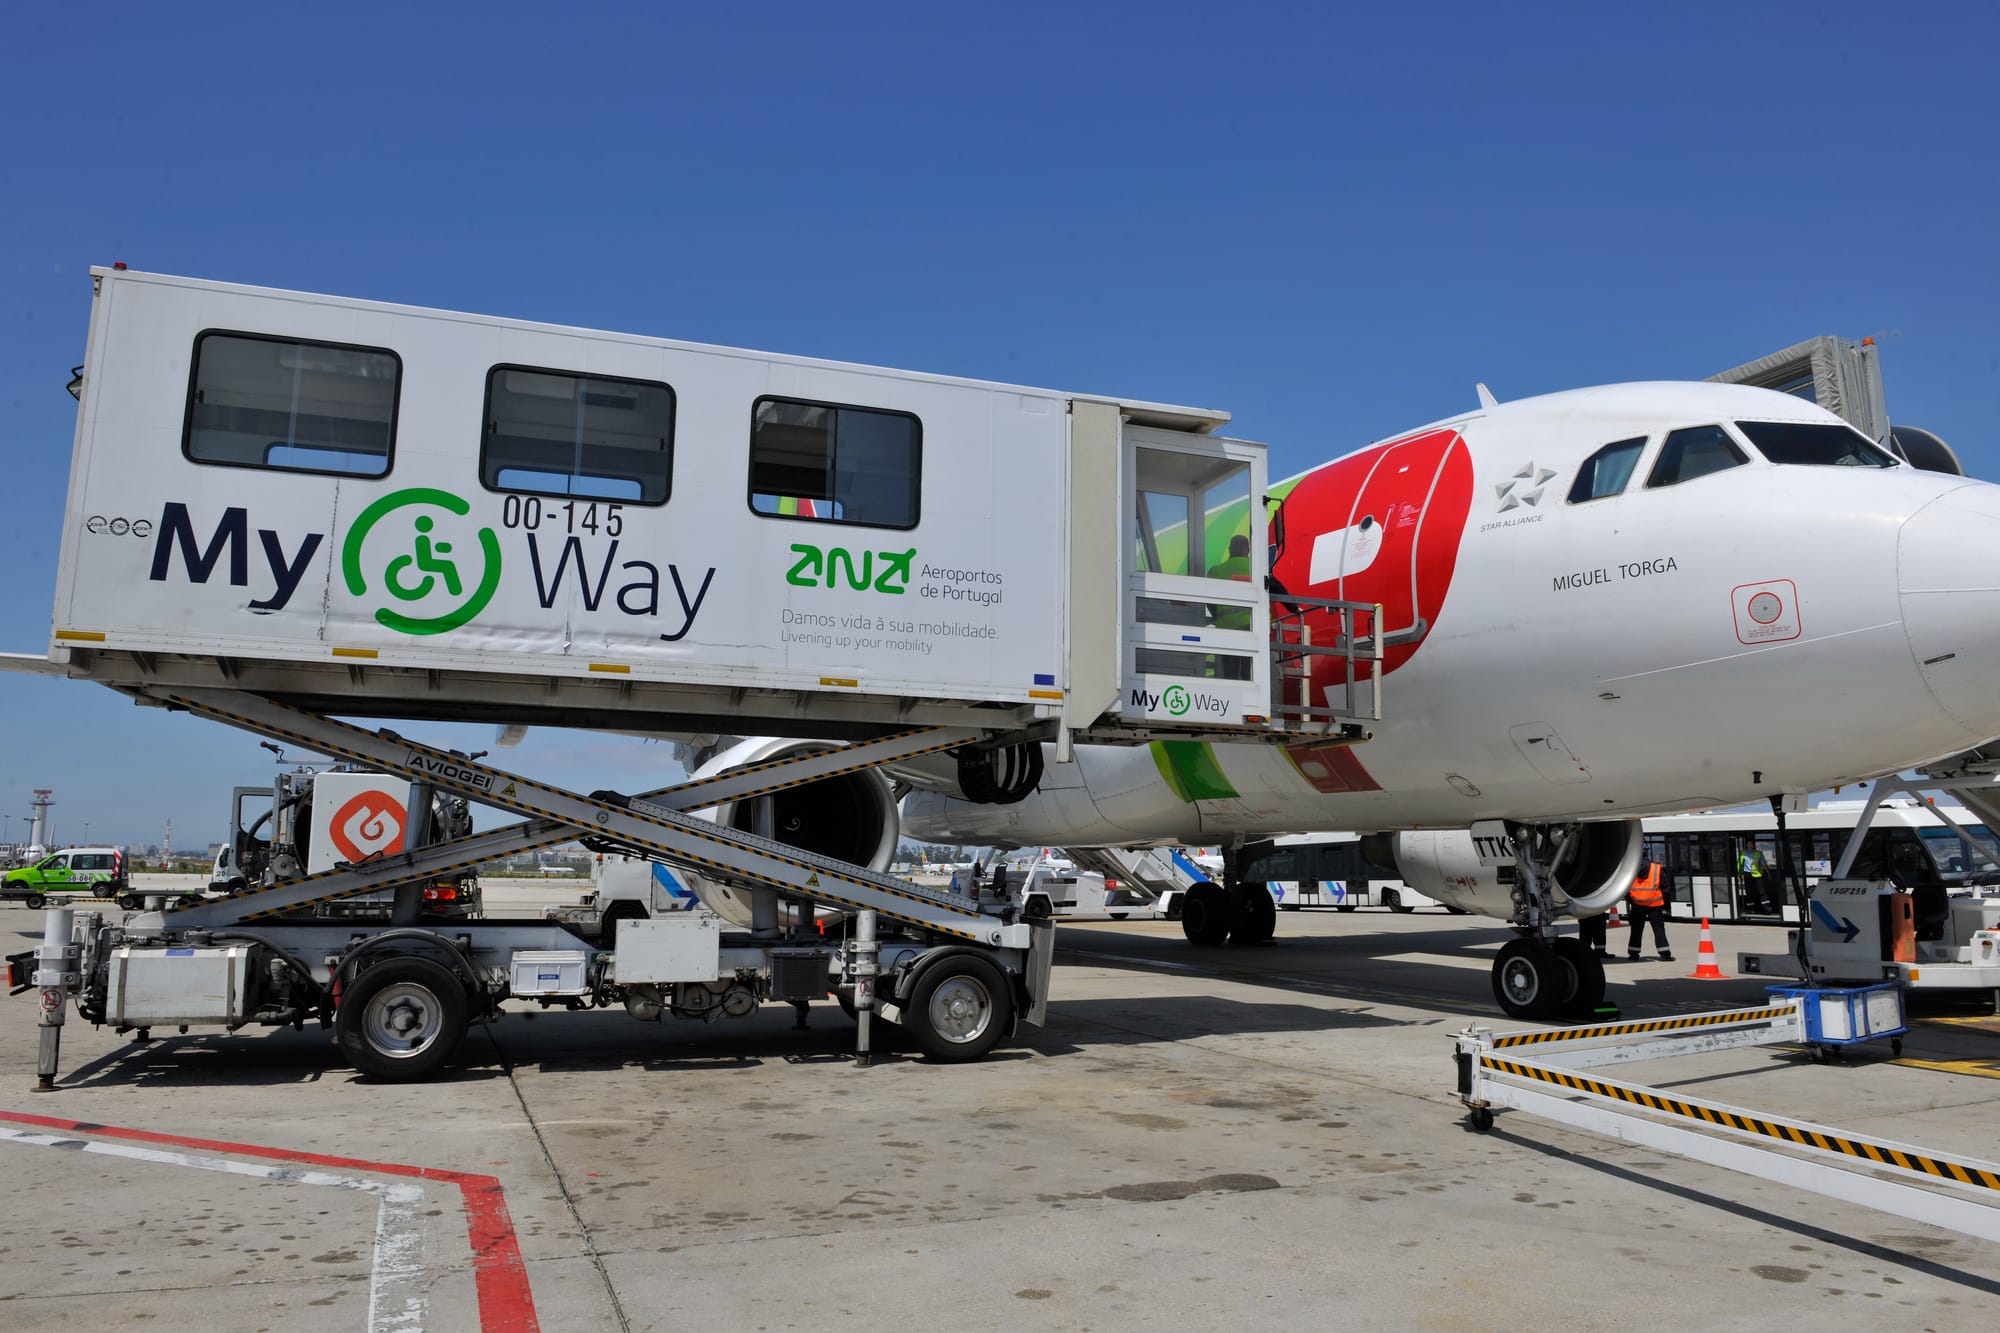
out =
column 528, row 511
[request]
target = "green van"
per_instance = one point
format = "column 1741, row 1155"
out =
column 98, row 869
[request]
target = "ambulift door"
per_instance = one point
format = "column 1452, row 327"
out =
column 1197, row 622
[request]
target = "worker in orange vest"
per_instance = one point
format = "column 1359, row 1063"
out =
column 1648, row 904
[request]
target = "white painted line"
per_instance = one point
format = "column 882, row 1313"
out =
column 395, row 1286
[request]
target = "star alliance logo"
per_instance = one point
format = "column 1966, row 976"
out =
column 1523, row 488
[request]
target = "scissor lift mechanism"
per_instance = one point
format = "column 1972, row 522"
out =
column 935, row 921
column 1542, row 1073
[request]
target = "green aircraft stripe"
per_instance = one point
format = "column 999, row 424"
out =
column 1191, row 770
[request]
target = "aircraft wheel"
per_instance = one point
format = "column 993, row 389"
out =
column 1256, row 915
column 960, row 1009
column 1529, row 980
column 1207, row 914
column 401, row 1019
column 1586, row 975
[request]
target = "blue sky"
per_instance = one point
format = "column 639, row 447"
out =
column 1329, row 222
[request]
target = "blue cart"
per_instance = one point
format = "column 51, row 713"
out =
column 1841, row 1016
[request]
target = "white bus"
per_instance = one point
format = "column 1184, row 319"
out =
column 1700, row 855
column 1328, row 870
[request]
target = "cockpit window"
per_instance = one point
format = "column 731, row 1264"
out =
column 1605, row 472
column 1694, row 452
column 1817, row 444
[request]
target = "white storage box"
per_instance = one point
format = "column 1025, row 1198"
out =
column 682, row 947
column 549, row 972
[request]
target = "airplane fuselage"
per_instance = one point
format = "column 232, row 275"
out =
column 1761, row 628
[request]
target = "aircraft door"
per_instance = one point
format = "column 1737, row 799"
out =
column 1382, row 526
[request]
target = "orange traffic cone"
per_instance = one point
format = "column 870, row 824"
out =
column 1611, row 919
column 1705, row 968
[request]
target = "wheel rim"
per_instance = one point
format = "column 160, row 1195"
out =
column 1522, row 980
column 402, row 1019
column 961, row 1009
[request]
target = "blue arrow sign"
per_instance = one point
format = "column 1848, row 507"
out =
column 1844, row 928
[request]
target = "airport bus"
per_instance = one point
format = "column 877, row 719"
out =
column 1328, row 870
column 1700, row 854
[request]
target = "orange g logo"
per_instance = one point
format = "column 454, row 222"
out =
column 369, row 825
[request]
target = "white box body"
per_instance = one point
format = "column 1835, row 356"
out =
column 149, row 986
column 680, row 948
column 548, row 972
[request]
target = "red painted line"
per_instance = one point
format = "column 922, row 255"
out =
column 506, row 1305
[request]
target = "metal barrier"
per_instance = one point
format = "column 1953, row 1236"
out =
column 1921, row 1184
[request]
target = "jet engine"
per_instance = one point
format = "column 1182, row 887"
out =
column 852, row 817
column 1594, row 869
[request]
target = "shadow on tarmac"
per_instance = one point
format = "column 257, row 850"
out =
column 1899, row 1249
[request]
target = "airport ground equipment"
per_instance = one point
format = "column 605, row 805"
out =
column 1141, row 879
column 285, row 507
column 1553, row 1074
column 1867, row 923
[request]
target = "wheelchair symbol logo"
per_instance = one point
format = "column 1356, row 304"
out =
column 427, row 566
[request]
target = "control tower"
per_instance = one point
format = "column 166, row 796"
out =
column 39, row 829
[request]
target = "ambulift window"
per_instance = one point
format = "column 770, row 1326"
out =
column 549, row 432
column 1694, row 452
column 834, row 463
column 1815, row 444
column 297, row 406
column 1605, row 472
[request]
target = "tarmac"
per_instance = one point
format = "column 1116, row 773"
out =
column 1211, row 1138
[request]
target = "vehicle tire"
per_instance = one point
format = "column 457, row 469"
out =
column 1119, row 916
column 1529, row 980
column 1256, row 915
column 623, row 910
column 960, row 1008
column 1037, row 908
column 1207, row 914
column 401, row 1019
column 129, row 901
column 1587, row 970
column 1480, row 1118
column 37, row 902
column 104, row 889
column 1394, row 901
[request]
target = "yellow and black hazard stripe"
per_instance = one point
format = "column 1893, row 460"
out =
column 514, row 800
column 1642, row 1027
column 437, row 872
column 1881, row 1154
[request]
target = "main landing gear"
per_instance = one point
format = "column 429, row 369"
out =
column 1541, row 974
column 1243, row 913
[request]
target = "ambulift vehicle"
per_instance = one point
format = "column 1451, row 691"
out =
column 545, row 557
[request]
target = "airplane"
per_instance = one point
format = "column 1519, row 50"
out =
column 1600, row 604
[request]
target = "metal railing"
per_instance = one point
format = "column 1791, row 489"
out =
column 1349, row 633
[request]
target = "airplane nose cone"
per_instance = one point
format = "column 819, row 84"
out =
column 1948, row 572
